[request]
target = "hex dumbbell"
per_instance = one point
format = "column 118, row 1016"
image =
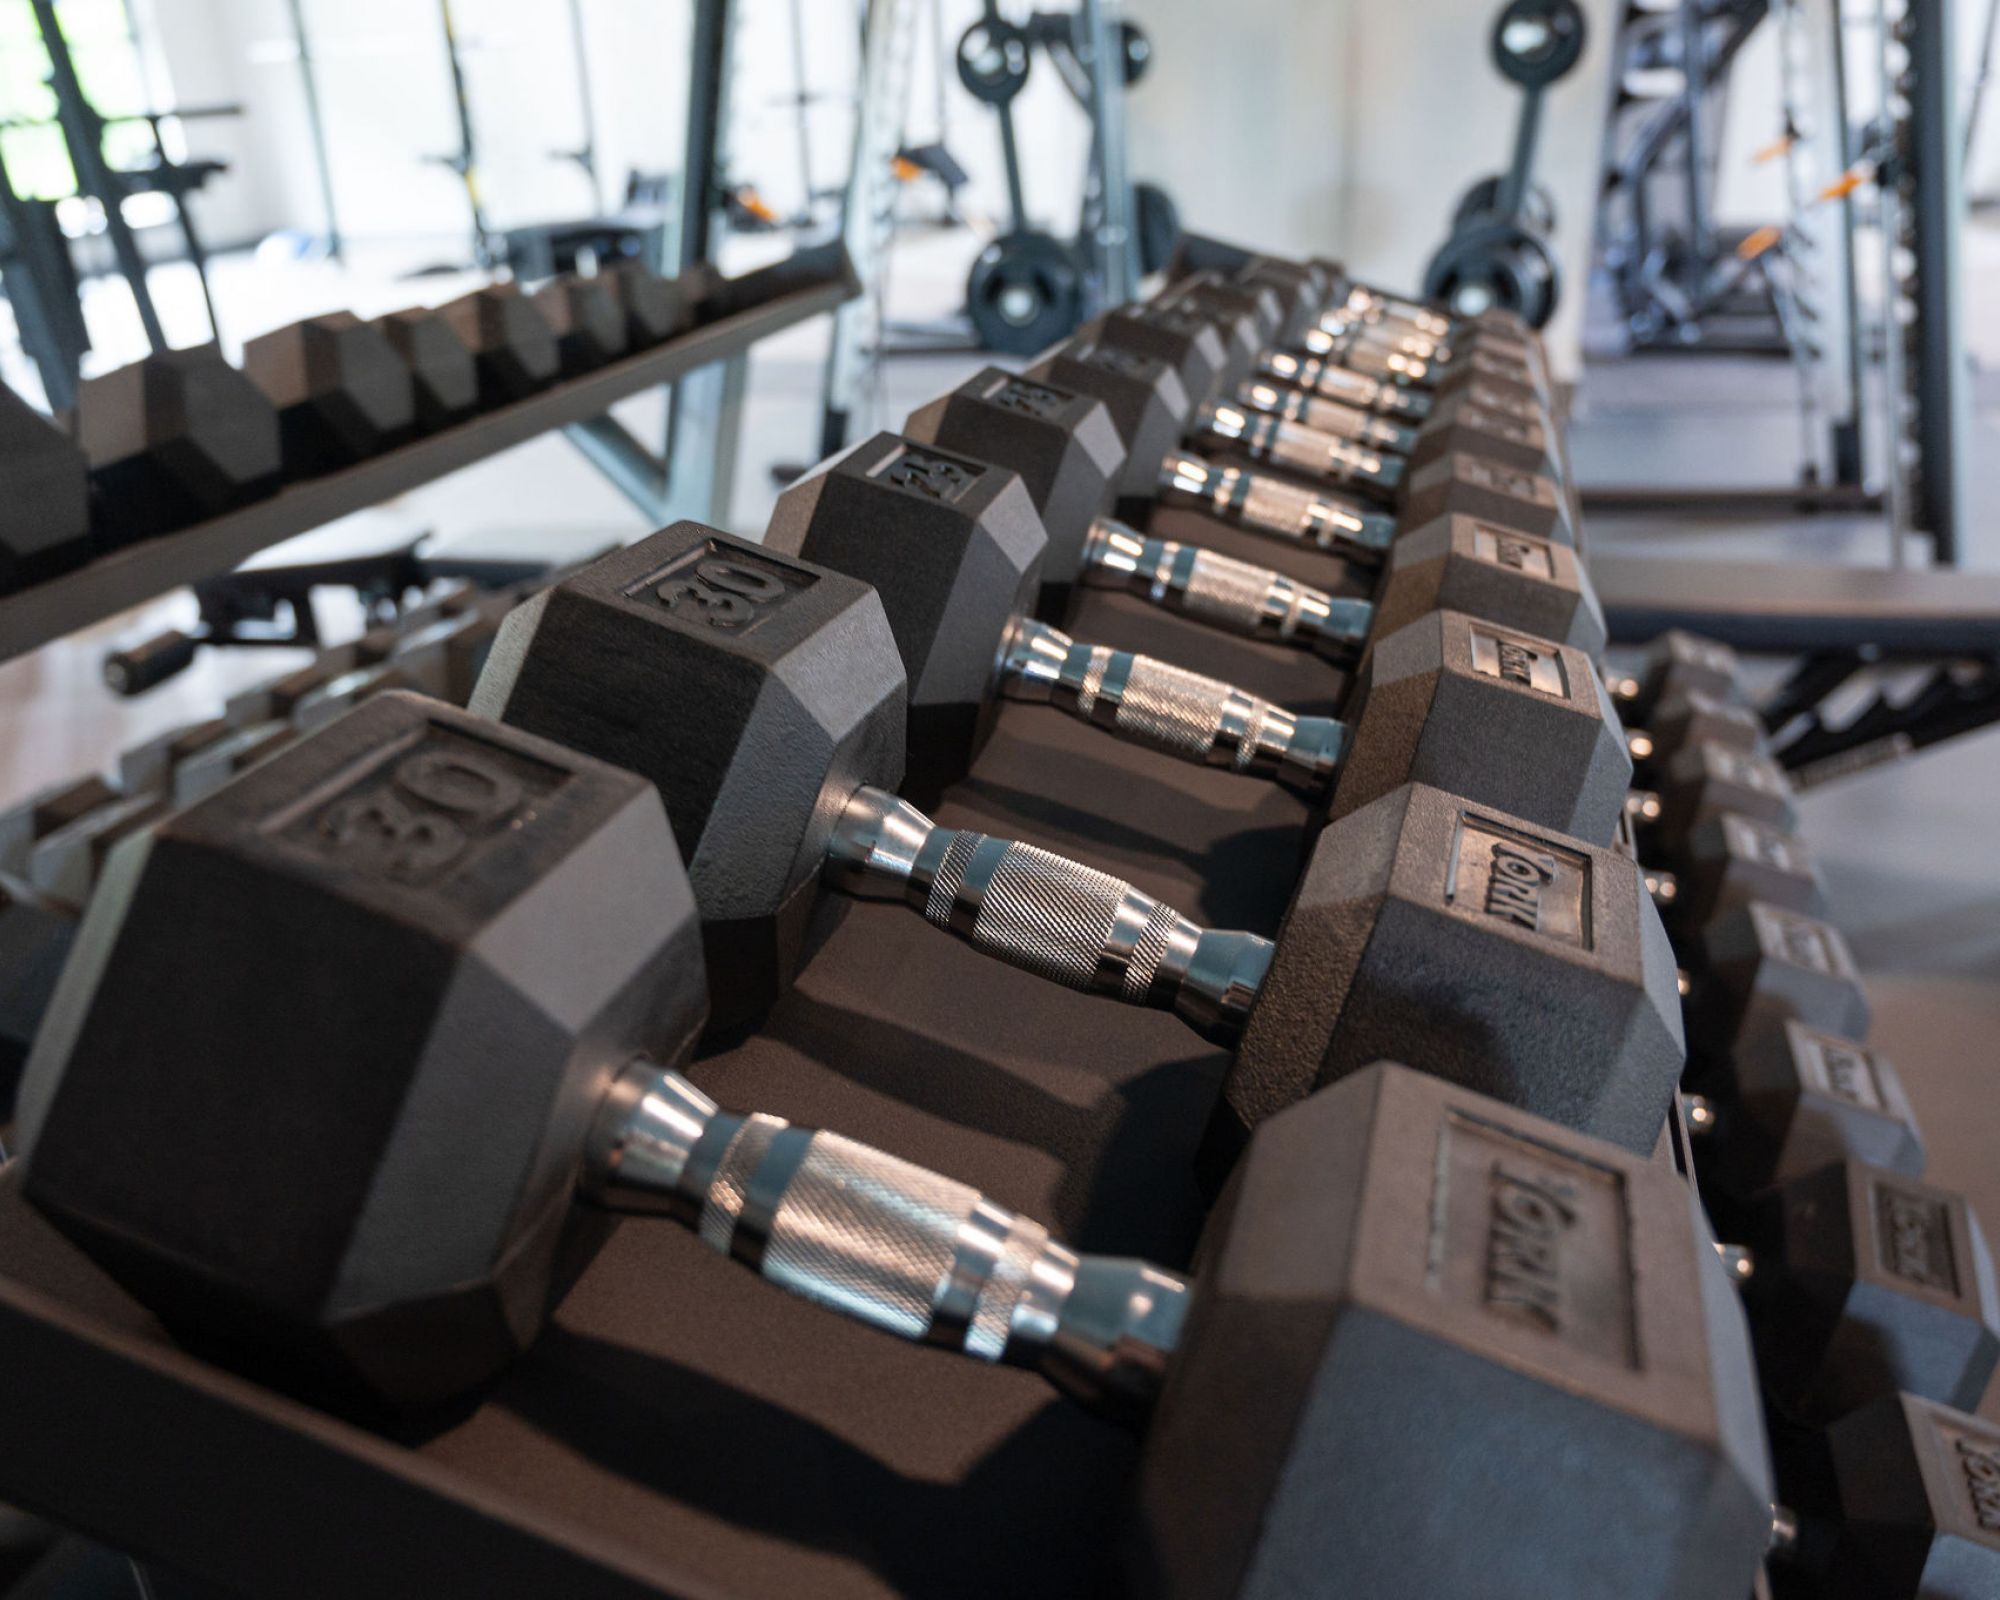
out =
column 959, row 572
column 445, row 1207
column 779, row 772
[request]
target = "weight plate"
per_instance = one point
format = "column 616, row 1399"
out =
column 1538, row 214
column 1497, row 263
column 1536, row 41
column 1157, row 221
column 1025, row 292
column 1138, row 51
column 993, row 60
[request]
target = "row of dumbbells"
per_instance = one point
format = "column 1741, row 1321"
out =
column 1505, row 1226
column 1869, row 1291
column 182, row 436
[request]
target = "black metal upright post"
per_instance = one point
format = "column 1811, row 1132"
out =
column 1933, row 154
column 83, row 134
column 316, row 122
column 40, row 286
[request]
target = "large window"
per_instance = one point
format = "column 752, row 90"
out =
column 109, row 66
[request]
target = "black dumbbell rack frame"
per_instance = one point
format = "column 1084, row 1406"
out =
column 744, row 312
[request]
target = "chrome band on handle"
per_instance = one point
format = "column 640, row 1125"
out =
column 1223, row 592
column 1300, row 449
column 1168, row 708
column 1334, row 418
column 1372, row 358
column 1373, row 304
column 1048, row 915
column 1266, row 504
column 1336, row 383
column 883, row 1240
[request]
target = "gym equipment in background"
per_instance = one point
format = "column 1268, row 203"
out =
column 1500, row 250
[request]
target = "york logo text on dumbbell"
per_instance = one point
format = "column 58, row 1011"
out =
column 1513, row 661
column 1514, row 889
column 1982, row 1481
column 1517, row 552
column 1915, row 1234
column 1530, row 1213
column 1524, row 881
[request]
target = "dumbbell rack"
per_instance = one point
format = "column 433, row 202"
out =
column 808, row 284
column 680, row 1430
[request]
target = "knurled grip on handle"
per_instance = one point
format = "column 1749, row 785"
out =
column 1189, row 715
column 1338, row 419
column 883, row 1240
column 1051, row 916
column 1167, row 708
column 1264, row 503
column 1249, row 599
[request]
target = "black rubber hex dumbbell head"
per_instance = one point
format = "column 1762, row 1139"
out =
column 1794, row 1098
column 1533, row 716
column 1489, row 570
column 1517, row 961
column 589, row 323
column 302, row 1196
column 1477, row 486
column 444, row 377
column 1728, row 861
column 1062, row 444
column 1440, row 1347
column 1706, row 779
column 756, row 692
column 654, row 307
column 512, row 344
column 176, row 438
column 343, row 391
column 1760, row 964
column 35, row 934
column 1919, row 1495
column 1461, row 424
column 1868, row 1281
column 1149, row 405
column 45, row 512
column 1245, row 317
column 1692, row 717
column 1178, row 335
column 955, row 551
column 1678, row 662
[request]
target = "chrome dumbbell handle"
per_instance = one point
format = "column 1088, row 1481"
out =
column 1335, row 418
column 1303, row 450
column 1372, row 359
column 1048, row 915
column 1235, row 596
column 1379, row 305
column 1332, row 382
column 1167, row 708
column 884, row 1241
column 1264, row 504
column 1340, row 332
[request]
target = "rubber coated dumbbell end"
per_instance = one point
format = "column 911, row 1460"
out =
column 1236, row 596
column 1048, row 915
column 1168, row 708
column 884, row 1241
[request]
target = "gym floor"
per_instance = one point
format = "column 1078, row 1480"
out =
column 1907, row 849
